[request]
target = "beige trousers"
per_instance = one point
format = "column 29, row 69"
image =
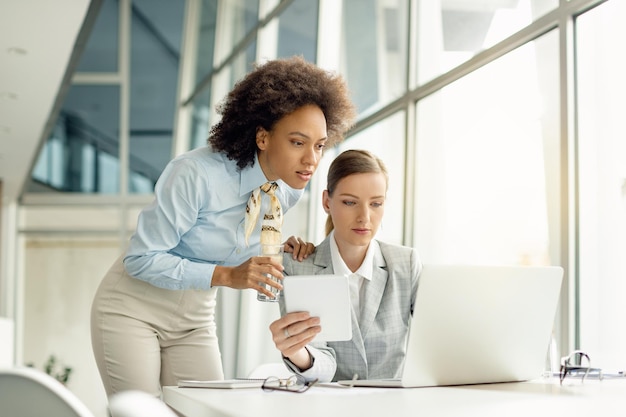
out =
column 144, row 337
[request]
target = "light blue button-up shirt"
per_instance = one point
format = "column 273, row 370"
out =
column 197, row 219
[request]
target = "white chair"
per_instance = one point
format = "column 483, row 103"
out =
column 138, row 404
column 28, row 392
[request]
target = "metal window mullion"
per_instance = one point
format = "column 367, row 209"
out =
column 124, row 127
column 569, row 310
column 329, row 28
column 186, row 78
column 568, row 319
column 410, row 120
column 97, row 78
column 327, row 53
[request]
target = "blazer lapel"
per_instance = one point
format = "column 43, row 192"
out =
column 373, row 292
column 323, row 259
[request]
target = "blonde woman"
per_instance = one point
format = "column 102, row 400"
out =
column 383, row 279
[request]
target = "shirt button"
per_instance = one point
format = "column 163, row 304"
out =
column 238, row 251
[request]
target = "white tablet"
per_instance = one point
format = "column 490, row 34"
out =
column 323, row 296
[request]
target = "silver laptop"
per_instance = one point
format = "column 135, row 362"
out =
column 478, row 324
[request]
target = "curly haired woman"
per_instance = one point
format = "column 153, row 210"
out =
column 152, row 319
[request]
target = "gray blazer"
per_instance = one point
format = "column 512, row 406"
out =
column 378, row 343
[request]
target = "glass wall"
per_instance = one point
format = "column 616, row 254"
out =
column 204, row 55
column 155, row 41
column 232, row 56
column 80, row 155
column 102, row 52
column 374, row 50
column 292, row 32
column 488, row 162
column 117, row 120
column 452, row 32
column 297, row 30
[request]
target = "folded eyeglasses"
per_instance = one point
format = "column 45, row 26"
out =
column 295, row 383
column 578, row 364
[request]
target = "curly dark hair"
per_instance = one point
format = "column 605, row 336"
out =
column 272, row 91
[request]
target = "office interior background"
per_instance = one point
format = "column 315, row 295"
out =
column 500, row 122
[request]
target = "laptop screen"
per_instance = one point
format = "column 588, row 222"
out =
column 480, row 324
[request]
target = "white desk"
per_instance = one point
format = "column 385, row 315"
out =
column 536, row 398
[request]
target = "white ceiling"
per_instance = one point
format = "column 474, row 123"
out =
column 37, row 38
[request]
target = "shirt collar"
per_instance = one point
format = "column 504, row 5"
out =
column 339, row 266
column 252, row 177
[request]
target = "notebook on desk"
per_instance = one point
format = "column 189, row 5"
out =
column 224, row 383
column 478, row 324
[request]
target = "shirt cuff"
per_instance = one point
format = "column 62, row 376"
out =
column 295, row 368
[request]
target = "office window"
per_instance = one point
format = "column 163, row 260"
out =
column 236, row 19
column 200, row 119
column 101, row 52
column 204, row 27
column 89, row 125
column 203, row 114
column 297, row 30
column 451, row 32
column 205, row 48
column 81, row 152
column 156, row 29
column 488, row 163
column 601, row 65
column 374, row 51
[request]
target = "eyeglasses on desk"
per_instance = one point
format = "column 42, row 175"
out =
column 578, row 364
column 295, row 383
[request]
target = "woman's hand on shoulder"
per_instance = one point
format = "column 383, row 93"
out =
column 298, row 247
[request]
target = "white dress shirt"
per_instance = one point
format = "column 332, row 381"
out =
column 356, row 278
